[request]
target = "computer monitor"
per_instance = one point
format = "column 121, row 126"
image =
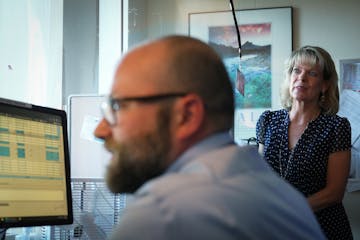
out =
column 35, row 185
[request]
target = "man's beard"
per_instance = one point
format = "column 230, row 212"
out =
column 139, row 159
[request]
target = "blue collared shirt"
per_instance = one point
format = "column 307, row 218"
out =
column 213, row 142
column 217, row 190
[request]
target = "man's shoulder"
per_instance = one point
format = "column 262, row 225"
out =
column 233, row 174
column 227, row 186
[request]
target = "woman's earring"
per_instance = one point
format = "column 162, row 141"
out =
column 322, row 98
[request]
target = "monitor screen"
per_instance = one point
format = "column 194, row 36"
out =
column 34, row 166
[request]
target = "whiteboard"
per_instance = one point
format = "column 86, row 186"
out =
column 87, row 153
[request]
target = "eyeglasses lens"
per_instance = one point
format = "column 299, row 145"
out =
column 108, row 112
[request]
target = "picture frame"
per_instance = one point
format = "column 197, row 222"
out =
column 266, row 43
column 350, row 74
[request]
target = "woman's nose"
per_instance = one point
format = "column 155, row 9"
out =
column 302, row 75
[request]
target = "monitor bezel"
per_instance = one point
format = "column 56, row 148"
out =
column 48, row 220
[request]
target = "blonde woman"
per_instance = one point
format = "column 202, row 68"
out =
column 306, row 143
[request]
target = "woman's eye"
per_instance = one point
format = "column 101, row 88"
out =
column 313, row 74
column 296, row 70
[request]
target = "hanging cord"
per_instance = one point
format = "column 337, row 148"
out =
column 236, row 26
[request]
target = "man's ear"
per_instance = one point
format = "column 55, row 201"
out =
column 189, row 116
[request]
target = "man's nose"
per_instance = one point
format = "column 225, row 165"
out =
column 102, row 129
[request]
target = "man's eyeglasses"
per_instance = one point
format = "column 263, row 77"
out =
column 111, row 105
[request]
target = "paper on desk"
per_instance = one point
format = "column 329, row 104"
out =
column 355, row 164
column 349, row 108
column 353, row 183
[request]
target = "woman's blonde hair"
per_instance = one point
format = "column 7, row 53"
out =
column 312, row 55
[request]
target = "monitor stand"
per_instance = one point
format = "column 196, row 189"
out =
column 2, row 233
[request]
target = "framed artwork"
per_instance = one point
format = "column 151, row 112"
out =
column 350, row 74
column 266, row 42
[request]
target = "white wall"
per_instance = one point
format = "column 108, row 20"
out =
column 110, row 41
column 31, row 51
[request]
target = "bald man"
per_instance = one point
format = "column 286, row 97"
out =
column 166, row 123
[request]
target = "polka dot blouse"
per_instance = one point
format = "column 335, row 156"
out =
column 305, row 166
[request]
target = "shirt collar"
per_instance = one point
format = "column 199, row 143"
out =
column 210, row 143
